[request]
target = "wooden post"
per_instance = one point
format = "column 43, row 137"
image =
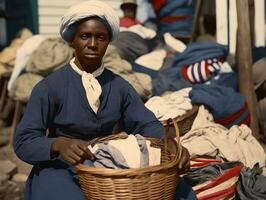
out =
column 244, row 61
column 196, row 20
column 16, row 118
column 251, row 10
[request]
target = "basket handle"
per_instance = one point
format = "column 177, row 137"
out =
column 177, row 133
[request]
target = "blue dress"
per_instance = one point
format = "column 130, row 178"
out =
column 58, row 104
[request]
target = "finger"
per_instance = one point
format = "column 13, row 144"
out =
column 89, row 155
column 74, row 156
column 69, row 159
column 78, row 151
column 86, row 152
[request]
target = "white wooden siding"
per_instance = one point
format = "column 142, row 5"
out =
column 51, row 11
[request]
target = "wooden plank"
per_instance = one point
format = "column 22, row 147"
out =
column 49, row 20
column 67, row 3
column 260, row 31
column 58, row 3
column 232, row 26
column 49, row 29
column 244, row 61
column 50, row 11
column 221, row 22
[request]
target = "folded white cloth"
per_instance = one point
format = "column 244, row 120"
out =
column 92, row 87
column 173, row 43
column 153, row 60
column 171, row 105
column 86, row 9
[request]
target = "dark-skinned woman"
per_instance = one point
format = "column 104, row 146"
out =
column 77, row 103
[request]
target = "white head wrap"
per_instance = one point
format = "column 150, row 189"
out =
column 88, row 9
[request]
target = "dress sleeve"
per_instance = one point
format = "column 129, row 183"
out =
column 137, row 119
column 30, row 141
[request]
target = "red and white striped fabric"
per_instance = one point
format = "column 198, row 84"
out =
column 201, row 71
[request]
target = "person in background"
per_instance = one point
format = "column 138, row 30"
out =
column 77, row 103
column 129, row 8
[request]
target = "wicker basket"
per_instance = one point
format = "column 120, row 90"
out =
column 150, row 183
column 184, row 122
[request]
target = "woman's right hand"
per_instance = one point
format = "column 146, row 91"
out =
column 73, row 151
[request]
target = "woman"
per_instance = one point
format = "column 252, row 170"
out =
column 75, row 104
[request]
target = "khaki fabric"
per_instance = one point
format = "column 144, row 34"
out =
column 8, row 54
column 140, row 81
column 52, row 54
column 23, row 85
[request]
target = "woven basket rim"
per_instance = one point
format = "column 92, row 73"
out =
column 182, row 117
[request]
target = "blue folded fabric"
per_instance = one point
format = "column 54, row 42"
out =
column 198, row 51
column 226, row 105
column 171, row 79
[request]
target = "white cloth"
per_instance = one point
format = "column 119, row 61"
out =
column 129, row 148
column 154, row 154
column 170, row 105
column 142, row 31
column 173, row 43
column 86, row 9
column 92, row 87
column 153, row 60
column 225, row 67
column 23, row 55
column 206, row 138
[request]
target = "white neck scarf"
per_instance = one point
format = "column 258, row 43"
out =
column 92, row 87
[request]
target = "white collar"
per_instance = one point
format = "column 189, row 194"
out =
column 96, row 73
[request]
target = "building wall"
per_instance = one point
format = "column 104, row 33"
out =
column 50, row 12
column 3, row 37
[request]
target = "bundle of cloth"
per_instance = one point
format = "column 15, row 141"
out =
column 140, row 81
column 8, row 54
column 50, row 55
column 227, row 106
column 251, row 183
column 209, row 139
column 135, row 41
column 170, row 105
column 132, row 152
column 214, row 181
column 158, row 58
column 36, row 58
column 174, row 16
column 198, row 51
column 199, row 63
